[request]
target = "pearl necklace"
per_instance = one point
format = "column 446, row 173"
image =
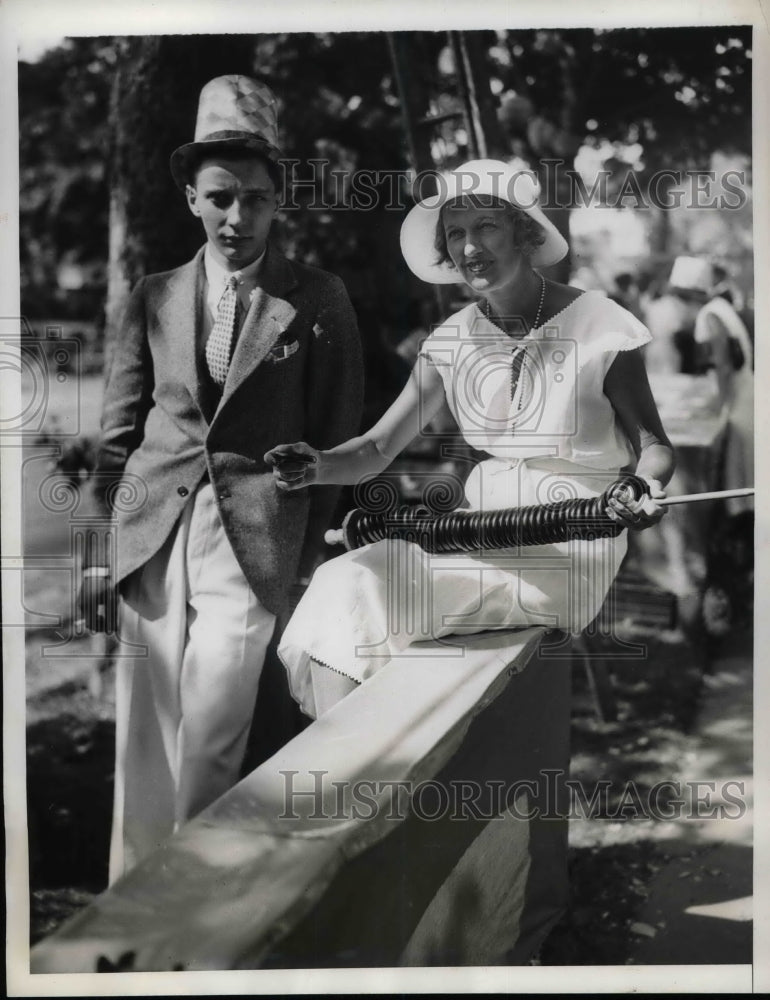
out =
column 518, row 354
column 486, row 309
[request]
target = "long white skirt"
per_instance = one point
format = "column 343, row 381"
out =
column 372, row 604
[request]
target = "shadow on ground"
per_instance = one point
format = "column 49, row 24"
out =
column 70, row 750
column 613, row 917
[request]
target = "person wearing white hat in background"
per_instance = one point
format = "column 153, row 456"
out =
column 675, row 556
column 671, row 320
column 729, row 353
column 216, row 361
column 548, row 381
column 725, row 348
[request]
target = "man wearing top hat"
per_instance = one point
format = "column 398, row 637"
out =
column 216, row 362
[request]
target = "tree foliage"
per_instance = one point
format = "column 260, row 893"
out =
column 680, row 93
column 64, row 139
column 100, row 117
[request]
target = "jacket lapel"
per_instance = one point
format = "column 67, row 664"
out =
column 178, row 314
column 268, row 316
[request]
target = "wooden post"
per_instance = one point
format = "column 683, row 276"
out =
column 481, row 101
column 476, row 142
column 413, row 101
column 414, row 109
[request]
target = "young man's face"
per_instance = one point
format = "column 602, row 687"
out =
column 236, row 201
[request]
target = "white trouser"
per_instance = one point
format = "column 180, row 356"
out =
column 183, row 710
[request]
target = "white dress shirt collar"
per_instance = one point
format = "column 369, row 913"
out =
column 216, row 279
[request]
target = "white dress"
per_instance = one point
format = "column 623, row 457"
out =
column 557, row 438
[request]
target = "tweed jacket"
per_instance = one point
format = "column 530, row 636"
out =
column 296, row 374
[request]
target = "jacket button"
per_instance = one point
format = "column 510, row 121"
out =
column 182, row 491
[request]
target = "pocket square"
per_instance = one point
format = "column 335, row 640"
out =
column 282, row 351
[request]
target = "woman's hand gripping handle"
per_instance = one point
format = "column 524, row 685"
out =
column 638, row 514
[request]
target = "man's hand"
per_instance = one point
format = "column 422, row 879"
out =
column 639, row 514
column 294, row 465
column 97, row 600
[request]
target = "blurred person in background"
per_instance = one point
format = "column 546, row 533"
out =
column 726, row 349
column 720, row 344
column 695, row 553
column 727, row 288
column 671, row 320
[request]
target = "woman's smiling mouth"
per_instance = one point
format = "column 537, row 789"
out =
column 477, row 266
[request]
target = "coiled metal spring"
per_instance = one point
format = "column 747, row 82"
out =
column 468, row 531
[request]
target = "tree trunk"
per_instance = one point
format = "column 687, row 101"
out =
column 413, row 96
column 154, row 104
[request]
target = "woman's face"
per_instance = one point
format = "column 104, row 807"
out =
column 481, row 243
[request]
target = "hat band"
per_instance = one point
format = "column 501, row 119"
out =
column 233, row 134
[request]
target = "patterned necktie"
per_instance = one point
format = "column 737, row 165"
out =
column 220, row 342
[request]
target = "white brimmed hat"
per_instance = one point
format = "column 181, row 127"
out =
column 477, row 177
column 234, row 112
column 691, row 274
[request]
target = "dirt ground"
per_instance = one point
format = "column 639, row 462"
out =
column 657, row 891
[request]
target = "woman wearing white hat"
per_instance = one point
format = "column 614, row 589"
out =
column 544, row 378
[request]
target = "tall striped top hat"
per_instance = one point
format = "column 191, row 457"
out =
column 234, row 112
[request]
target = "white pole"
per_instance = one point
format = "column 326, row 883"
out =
column 715, row 495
